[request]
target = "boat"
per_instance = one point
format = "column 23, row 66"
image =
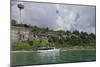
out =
column 46, row 48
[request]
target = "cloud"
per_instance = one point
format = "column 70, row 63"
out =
column 56, row 16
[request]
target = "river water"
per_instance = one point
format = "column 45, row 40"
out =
column 51, row 56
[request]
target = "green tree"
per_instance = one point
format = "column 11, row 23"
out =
column 13, row 22
column 76, row 32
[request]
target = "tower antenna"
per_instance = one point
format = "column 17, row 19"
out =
column 21, row 7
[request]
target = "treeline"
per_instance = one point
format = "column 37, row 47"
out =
column 60, row 39
column 74, row 38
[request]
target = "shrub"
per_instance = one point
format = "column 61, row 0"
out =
column 21, row 46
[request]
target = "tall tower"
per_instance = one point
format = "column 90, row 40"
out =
column 21, row 7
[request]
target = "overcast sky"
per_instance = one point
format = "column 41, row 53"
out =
column 56, row 16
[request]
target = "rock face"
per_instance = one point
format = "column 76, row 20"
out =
column 20, row 34
column 23, row 34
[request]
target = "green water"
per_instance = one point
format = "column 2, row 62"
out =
column 49, row 57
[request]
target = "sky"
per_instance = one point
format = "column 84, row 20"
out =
column 56, row 16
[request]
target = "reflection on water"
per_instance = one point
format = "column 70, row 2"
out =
column 51, row 56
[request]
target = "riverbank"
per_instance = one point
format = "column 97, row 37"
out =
column 80, row 47
column 64, row 49
column 25, row 47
